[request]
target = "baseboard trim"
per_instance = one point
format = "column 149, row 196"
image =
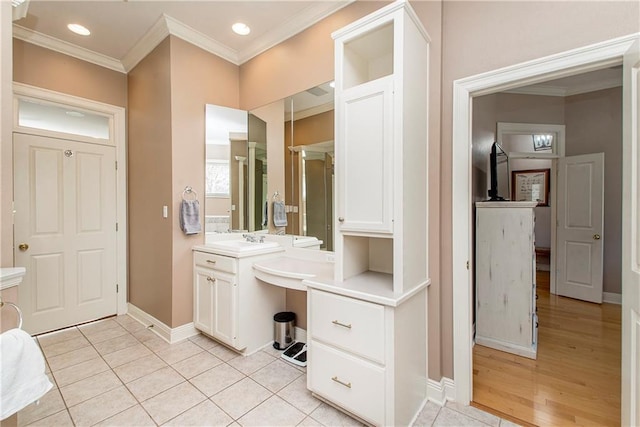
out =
column 440, row 392
column 612, row 298
column 170, row 335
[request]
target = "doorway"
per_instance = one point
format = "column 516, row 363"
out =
column 621, row 50
column 90, row 136
column 578, row 346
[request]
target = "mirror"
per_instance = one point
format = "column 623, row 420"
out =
column 235, row 172
column 309, row 162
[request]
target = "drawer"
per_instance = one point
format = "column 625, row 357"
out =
column 348, row 381
column 216, row 262
column 347, row 323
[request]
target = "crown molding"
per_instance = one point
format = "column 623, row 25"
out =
column 166, row 25
column 152, row 38
column 66, row 48
column 545, row 90
column 298, row 23
column 196, row 38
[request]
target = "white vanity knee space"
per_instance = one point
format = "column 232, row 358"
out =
column 229, row 303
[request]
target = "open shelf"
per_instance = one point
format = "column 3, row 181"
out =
column 368, row 57
column 364, row 254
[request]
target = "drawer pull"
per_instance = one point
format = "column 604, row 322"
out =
column 347, row 385
column 335, row 322
column 209, row 261
column 211, row 279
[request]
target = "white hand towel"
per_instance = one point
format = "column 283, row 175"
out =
column 22, row 372
column 190, row 217
column 279, row 214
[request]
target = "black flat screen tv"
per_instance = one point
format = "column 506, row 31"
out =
column 497, row 156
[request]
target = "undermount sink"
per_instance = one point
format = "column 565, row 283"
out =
column 242, row 245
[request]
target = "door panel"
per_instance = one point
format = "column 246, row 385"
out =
column 580, row 239
column 65, row 202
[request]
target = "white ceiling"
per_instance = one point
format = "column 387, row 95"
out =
column 122, row 32
column 605, row 78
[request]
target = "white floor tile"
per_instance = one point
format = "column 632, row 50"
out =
column 241, row 397
column 72, row 358
column 126, row 355
column 197, row 364
column 330, row 416
column 273, row 412
column 180, row 351
column 139, row 368
column 450, row 418
column 250, row 364
column 80, row 371
column 216, row 379
column 51, row 403
column 203, row 414
column 476, row 413
column 135, row 416
column 102, row 407
column 276, row 375
column 428, row 415
column 299, row 396
column 173, row 402
column 88, row 388
column 59, row 419
column 155, row 383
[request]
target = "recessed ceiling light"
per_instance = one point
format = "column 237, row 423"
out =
column 241, row 28
column 79, row 29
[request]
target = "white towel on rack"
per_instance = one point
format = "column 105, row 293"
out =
column 279, row 214
column 23, row 380
column 190, row 217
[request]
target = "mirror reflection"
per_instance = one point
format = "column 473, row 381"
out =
column 309, row 140
column 235, row 173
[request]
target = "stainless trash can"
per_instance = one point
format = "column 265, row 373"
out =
column 283, row 329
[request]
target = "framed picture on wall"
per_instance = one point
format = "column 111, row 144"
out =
column 530, row 186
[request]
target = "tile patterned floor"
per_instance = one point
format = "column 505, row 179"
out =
column 115, row 372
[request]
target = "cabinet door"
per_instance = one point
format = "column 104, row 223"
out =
column 365, row 157
column 225, row 313
column 203, row 293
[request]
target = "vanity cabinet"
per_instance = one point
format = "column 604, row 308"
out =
column 230, row 304
column 506, row 277
column 367, row 328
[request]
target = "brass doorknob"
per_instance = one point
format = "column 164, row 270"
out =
column 23, row 247
column 596, row 237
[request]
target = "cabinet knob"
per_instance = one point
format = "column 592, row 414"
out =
column 596, row 237
column 341, row 219
column 210, row 279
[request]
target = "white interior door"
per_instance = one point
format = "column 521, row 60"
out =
column 65, row 231
column 631, row 237
column 580, row 227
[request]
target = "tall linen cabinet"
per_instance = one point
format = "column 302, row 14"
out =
column 367, row 329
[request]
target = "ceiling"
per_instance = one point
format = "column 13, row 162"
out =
column 604, row 78
column 123, row 32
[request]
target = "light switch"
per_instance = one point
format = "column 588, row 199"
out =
column 165, row 212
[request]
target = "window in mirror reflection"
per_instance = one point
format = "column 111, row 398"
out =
column 217, row 178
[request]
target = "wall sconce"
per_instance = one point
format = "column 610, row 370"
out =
column 542, row 142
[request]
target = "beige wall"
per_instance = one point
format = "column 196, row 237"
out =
column 168, row 92
column 594, row 125
column 37, row 66
column 301, row 62
column 150, row 188
column 197, row 78
column 483, row 36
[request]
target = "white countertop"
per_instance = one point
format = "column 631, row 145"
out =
column 290, row 272
column 11, row 276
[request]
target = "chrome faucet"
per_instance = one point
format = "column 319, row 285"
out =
column 253, row 238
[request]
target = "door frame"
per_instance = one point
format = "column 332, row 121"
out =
column 576, row 61
column 117, row 139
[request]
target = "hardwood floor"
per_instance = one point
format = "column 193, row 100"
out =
column 575, row 379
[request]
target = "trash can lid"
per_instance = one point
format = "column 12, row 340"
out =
column 284, row 316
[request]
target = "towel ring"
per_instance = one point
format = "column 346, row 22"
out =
column 2, row 304
column 276, row 196
column 189, row 191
